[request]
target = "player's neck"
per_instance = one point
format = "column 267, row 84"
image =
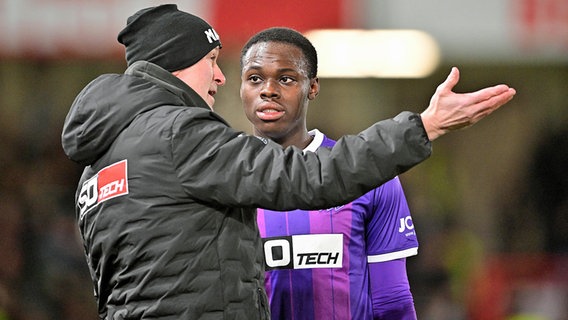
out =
column 301, row 141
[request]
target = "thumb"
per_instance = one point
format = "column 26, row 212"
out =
column 451, row 81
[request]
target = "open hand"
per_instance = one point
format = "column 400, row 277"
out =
column 450, row 111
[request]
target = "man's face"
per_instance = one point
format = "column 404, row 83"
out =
column 275, row 90
column 204, row 77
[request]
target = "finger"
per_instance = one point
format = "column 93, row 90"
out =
column 451, row 81
column 502, row 98
column 488, row 93
column 484, row 108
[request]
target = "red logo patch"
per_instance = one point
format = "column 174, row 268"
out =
column 110, row 182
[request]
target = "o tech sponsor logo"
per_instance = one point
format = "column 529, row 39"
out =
column 110, row 182
column 303, row 251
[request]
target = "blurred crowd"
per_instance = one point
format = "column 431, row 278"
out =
column 43, row 274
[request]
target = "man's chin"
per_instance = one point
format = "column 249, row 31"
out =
column 210, row 102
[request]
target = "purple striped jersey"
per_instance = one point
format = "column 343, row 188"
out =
column 317, row 261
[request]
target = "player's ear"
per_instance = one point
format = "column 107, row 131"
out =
column 314, row 88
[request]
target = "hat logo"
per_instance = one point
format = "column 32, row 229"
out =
column 211, row 35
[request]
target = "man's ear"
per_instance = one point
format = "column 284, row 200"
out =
column 314, row 88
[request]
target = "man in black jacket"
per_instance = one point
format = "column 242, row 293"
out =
column 166, row 203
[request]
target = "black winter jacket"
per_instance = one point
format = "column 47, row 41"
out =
column 166, row 203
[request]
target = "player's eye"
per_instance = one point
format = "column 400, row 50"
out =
column 286, row 79
column 254, row 79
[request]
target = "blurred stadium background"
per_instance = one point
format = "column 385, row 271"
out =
column 490, row 206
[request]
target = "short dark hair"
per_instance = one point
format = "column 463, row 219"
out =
column 286, row 35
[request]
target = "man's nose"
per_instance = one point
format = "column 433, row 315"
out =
column 219, row 77
column 270, row 89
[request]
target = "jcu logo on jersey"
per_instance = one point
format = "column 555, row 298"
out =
column 406, row 225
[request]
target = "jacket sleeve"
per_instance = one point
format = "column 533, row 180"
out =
column 217, row 164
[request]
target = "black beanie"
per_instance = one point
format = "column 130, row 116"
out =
column 168, row 37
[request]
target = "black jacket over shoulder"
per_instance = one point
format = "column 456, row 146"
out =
column 166, row 203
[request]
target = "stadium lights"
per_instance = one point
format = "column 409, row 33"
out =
column 351, row 53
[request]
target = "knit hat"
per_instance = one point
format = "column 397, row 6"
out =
column 168, row 37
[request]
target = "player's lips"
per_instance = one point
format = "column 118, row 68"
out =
column 269, row 112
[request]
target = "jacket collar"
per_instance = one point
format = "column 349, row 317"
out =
column 163, row 78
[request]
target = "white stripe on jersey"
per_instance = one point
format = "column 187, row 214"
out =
column 392, row 255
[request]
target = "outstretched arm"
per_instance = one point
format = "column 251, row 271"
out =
column 449, row 111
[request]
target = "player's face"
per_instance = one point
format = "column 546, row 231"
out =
column 275, row 90
column 204, row 77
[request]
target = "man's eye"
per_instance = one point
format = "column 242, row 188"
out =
column 286, row 79
column 254, row 78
